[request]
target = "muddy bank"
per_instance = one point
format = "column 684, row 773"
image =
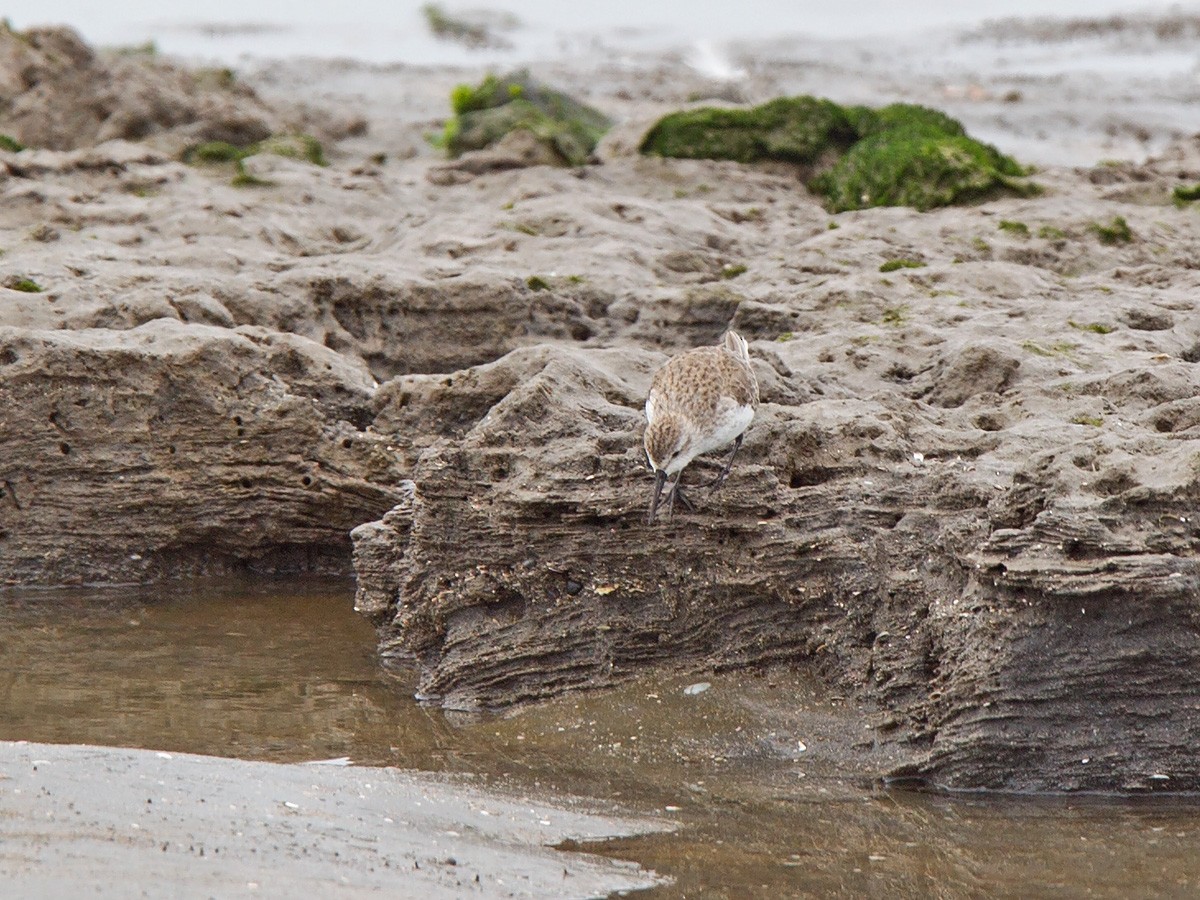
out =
column 967, row 496
column 205, row 826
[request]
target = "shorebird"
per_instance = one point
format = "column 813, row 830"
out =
column 699, row 401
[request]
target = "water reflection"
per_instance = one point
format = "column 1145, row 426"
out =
column 768, row 774
column 275, row 672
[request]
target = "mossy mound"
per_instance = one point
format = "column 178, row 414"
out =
column 900, row 155
column 796, row 129
column 917, row 167
column 499, row 105
column 293, row 146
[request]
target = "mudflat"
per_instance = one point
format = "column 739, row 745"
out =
column 967, row 496
column 113, row 821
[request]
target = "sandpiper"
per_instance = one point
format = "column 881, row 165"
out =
column 699, row 402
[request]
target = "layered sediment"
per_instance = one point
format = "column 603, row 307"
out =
column 967, row 494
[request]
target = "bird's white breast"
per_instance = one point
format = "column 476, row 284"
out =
column 730, row 420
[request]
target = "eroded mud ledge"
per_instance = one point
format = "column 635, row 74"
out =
column 969, row 494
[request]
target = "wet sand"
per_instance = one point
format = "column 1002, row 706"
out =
column 111, row 822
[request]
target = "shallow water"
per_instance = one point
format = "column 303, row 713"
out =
column 765, row 773
column 387, row 31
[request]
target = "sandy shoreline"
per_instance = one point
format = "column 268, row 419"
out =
column 109, row 822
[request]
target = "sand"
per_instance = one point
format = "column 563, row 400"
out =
column 113, row 822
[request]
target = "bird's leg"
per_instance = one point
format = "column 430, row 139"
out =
column 716, row 483
column 677, row 494
column 672, row 495
column 684, row 500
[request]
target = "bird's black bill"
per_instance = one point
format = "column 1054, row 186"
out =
column 660, row 478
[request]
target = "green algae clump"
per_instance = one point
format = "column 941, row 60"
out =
column 25, row 285
column 893, row 264
column 1115, row 232
column 1182, row 193
column 499, row 105
column 293, row 146
column 214, row 152
column 795, row 129
column 918, row 157
column 11, row 144
column 900, row 155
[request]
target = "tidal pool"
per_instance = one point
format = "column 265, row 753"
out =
column 768, row 775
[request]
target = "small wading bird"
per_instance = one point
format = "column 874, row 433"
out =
column 699, row 402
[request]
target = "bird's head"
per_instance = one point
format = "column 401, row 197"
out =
column 667, row 444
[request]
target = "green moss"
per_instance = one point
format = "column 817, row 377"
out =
column 215, row 152
column 242, row 178
column 894, row 316
column 537, row 283
column 832, row 226
column 1094, row 421
column 12, row 145
column 26, row 285
column 473, row 131
column 732, row 270
column 463, row 97
column 981, row 245
column 868, row 121
column 900, row 155
column 1058, row 348
column 893, row 264
column 917, row 167
column 1187, row 194
column 1050, row 233
column 1115, row 232
column 499, row 105
column 785, row 337
column 293, row 146
column 794, row 129
column 1018, row 228
column 1096, row 327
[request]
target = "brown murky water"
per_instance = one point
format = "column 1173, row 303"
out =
column 764, row 773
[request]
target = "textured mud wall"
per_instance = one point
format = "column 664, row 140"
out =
column 175, row 449
column 1030, row 624
column 969, row 493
